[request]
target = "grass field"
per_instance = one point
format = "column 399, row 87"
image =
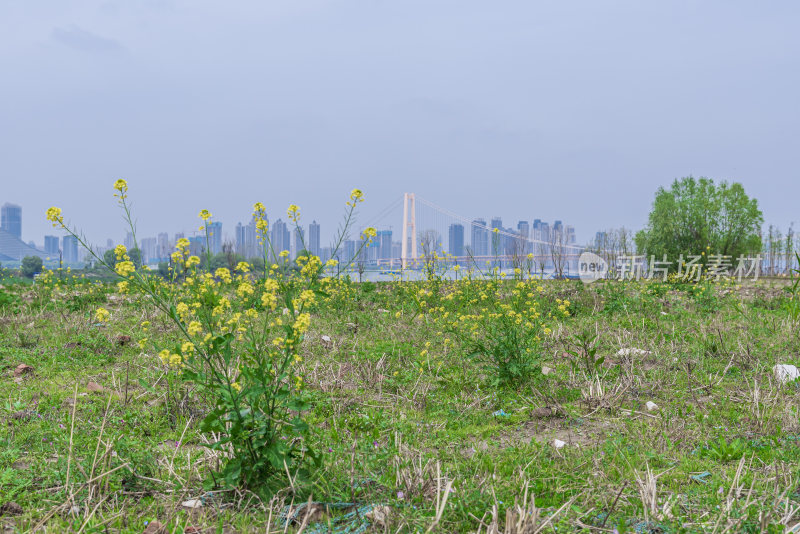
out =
column 412, row 426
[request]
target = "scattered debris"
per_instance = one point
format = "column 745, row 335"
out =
column 154, row 527
column 701, row 477
column 633, row 352
column 785, row 373
column 651, row 406
column 500, row 413
column 379, row 516
column 22, row 415
column 356, row 519
column 327, row 342
column 23, row 369
column 94, row 387
column 544, row 412
column 192, row 503
column 558, row 444
column 11, row 508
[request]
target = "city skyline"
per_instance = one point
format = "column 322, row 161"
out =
column 478, row 240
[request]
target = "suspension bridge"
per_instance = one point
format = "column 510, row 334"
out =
column 428, row 230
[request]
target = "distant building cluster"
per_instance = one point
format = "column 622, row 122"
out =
column 477, row 239
column 494, row 239
column 12, row 247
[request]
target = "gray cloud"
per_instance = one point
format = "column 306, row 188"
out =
column 575, row 111
column 79, row 39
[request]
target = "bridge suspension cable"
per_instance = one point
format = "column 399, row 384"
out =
column 500, row 231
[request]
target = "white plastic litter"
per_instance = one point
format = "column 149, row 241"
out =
column 651, row 406
column 785, row 373
column 632, row 352
column 557, row 443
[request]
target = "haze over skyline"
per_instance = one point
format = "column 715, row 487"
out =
column 575, row 111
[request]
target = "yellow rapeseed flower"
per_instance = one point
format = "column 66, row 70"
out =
column 125, row 268
column 223, row 274
column 102, row 315
column 54, row 216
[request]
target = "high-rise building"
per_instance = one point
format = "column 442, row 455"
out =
column 600, row 240
column 524, row 246
column 129, row 243
column 351, row 246
column 569, row 232
column 536, row 230
column 384, row 244
column 480, row 238
column 325, row 254
column 241, row 239
column 69, row 244
column 497, row 242
column 314, row 238
column 280, row 237
column 164, row 246
column 299, row 240
column 51, row 245
column 149, row 248
column 215, row 237
column 455, row 239
column 544, row 230
column 11, row 219
column 197, row 245
column 246, row 243
column 251, row 235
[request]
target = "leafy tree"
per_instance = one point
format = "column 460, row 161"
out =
column 697, row 216
column 31, row 265
column 218, row 261
column 136, row 257
column 110, row 257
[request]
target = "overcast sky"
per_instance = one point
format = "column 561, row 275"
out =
column 572, row 110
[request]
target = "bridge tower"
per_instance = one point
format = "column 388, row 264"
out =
column 409, row 204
